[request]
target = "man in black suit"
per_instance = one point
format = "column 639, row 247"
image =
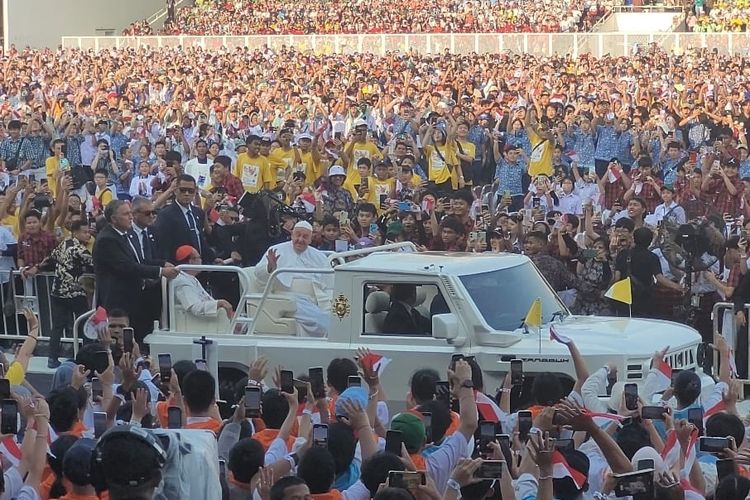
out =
column 147, row 244
column 119, row 265
column 402, row 317
column 181, row 223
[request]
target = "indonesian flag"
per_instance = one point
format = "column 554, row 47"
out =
column 487, row 408
column 573, row 155
column 10, row 450
column 376, row 363
column 557, row 336
column 561, row 470
column 663, row 375
column 614, row 174
column 716, row 407
column 671, row 451
column 602, row 419
column 96, row 324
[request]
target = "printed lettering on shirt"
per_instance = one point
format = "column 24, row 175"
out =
column 250, row 174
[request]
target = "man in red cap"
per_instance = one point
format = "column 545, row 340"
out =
column 188, row 291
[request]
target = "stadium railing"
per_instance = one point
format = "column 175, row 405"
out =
column 17, row 292
column 538, row 44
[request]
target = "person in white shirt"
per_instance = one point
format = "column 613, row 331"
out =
column 141, row 184
column 568, row 202
column 669, row 210
column 312, row 292
column 199, row 166
column 190, row 293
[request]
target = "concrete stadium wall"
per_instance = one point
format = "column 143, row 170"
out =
column 41, row 23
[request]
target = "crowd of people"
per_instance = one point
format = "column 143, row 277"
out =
column 719, row 16
column 244, row 17
column 115, row 425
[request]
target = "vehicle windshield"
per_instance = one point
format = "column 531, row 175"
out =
column 505, row 296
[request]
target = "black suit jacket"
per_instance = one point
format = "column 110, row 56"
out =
column 400, row 320
column 119, row 275
column 172, row 231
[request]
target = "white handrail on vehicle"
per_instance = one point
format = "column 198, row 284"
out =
column 340, row 257
column 266, row 291
column 716, row 313
column 83, row 317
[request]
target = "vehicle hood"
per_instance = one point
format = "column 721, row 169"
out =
column 625, row 335
column 600, row 335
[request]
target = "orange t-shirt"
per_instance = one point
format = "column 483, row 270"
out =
column 211, row 424
column 162, row 410
column 75, row 496
column 455, row 423
column 419, row 461
column 267, row 436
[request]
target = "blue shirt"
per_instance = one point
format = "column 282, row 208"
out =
column 745, row 168
column 669, row 169
column 520, row 138
column 478, row 138
column 583, row 144
column 624, row 142
column 510, row 176
column 606, row 142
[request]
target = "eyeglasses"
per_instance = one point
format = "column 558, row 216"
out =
column 187, row 190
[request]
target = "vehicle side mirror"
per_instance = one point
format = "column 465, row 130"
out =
column 445, row 326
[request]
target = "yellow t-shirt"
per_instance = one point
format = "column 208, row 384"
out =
column 438, row 170
column 254, row 172
column 11, row 220
column 280, row 160
column 377, row 188
column 104, row 196
column 15, row 373
column 366, row 150
column 540, row 161
column 311, row 168
column 51, row 166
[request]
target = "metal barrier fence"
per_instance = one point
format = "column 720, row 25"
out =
column 538, row 44
column 17, row 292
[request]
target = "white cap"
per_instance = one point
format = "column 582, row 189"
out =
column 336, row 170
column 304, row 135
column 303, row 224
column 359, row 122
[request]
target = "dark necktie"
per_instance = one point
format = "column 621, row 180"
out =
column 132, row 240
column 194, row 238
column 147, row 250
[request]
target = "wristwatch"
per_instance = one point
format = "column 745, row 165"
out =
column 467, row 384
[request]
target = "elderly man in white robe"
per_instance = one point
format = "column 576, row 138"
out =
column 312, row 292
column 190, row 293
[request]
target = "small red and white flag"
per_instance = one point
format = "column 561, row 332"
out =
column 96, row 324
column 671, row 451
column 557, row 336
column 614, row 174
column 376, row 363
column 561, row 469
column 602, row 419
column 488, row 410
column 663, row 375
column 716, row 407
column 10, row 450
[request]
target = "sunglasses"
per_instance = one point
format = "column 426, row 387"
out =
column 187, row 190
column 147, row 212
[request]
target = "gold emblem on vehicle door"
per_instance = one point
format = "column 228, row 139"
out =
column 341, row 306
